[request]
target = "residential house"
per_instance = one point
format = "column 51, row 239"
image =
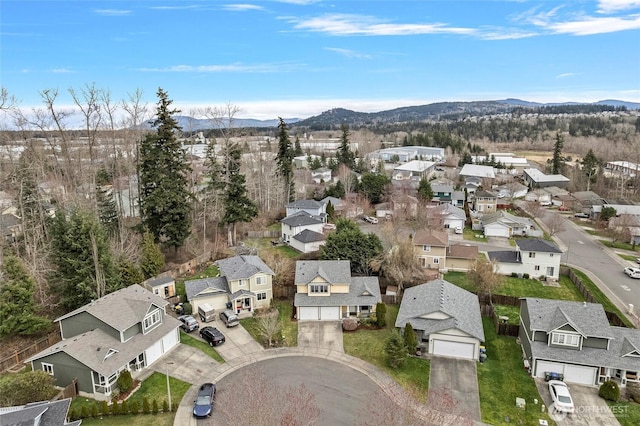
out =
column 345, row 208
column 10, row 227
column 413, row 170
column 507, row 225
column 458, row 198
column 511, row 191
column 163, row 286
column 43, row 413
column 321, row 175
column 298, row 222
column 326, row 291
column 384, row 210
column 445, row 318
column 472, row 183
column 128, row 329
column 404, row 206
column 311, row 207
column 307, row 241
column 586, row 201
column 475, row 170
column 534, row 178
column 461, row 257
column 575, row 339
column 485, row 202
column 442, row 193
column 538, row 195
column 452, row 217
column 430, row 247
column 244, row 284
column 535, row 257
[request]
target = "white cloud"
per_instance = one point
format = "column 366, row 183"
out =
column 241, row 7
column 112, row 12
column 183, row 7
column 352, row 54
column 592, row 25
column 256, row 68
column 612, row 6
column 61, row 70
column 565, row 75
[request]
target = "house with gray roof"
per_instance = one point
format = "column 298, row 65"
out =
column 163, row 285
column 445, row 318
column 243, row 284
column 507, row 225
column 128, row 329
column 575, row 339
column 311, row 207
column 452, row 217
column 298, row 222
column 535, row 257
column 44, row 413
column 308, row 241
column 326, row 291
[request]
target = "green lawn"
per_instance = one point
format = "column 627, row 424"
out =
column 289, row 327
column 471, row 235
column 620, row 245
column 188, row 340
column 210, row 271
column 513, row 312
column 288, row 251
column 368, row 345
column 627, row 413
column 521, row 287
column 628, row 257
column 502, row 379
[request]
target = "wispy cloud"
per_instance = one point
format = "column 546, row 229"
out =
column 239, row 7
column 349, row 53
column 611, row 6
column 347, row 24
column 566, row 75
column 181, row 7
column 257, row 68
column 112, row 12
column 61, row 70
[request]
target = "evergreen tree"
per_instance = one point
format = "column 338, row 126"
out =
column 396, row 350
column 424, row 190
column 80, row 253
column 466, row 159
column 590, row 165
column 410, row 340
column 350, row 243
column 344, row 155
column 18, row 310
column 152, row 259
column 297, row 148
column 107, row 207
column 372, row 185
column 238, row 207
column 557, row 163
column 284, row 161
column 165, row 200
column 129, row 272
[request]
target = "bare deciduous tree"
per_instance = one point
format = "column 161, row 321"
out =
column 484, row 276
column 269, row 324
column 555, row 223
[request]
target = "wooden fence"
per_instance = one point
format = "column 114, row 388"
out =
column 17, row 358
column 283, row 292
column 502, row 329
column 70, row 391
column 263, row 234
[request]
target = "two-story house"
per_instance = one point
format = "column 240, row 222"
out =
column 128, row 329
column 311, row 207
column 485, row 202
column 321, row 175
column 575, row 339
column 326, row 291
column 244, row 284
column 430, row 248
column 535, row 256
column 298, row 222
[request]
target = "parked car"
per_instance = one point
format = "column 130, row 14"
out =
column 203, row 405
column 638, row 260
column 212, row 335
column 371, row 219
column 229, row 318
column 632, row 272
column 564, row 209
column 188, row 323
column 581, row 215
column 562, row 401
column 458, row 230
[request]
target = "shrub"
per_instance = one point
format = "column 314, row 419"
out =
column 154, row 406
column 73, row 414
column 104, row 408
column 125, row 381
column 146, row 408
column 115, row 408
column 514, row 275
column 188, row 309
column 410, row 340
column 610, row 391
column 124, row 409
column 135, row 407
column 94, row 410
column 84, row 411
column 165, row 406
column 525, row 276
column 349, row 324
column 381, row 314
column 396, row 350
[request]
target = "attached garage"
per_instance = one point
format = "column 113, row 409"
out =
column 153, row 353
column 319, row 313
column 454, row 349
column 496, row 230
column 170, row 340
column 329, row 313
column 309, row 313
column 572, row 373
column 219, row 302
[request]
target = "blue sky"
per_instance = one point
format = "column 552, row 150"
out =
column 298, row 58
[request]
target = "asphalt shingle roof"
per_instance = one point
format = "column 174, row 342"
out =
column 309, row 236
column 461, row 306
column 195, row 287
column 242, row 267
column 505, row 256
column 431, row 237
column 300, row 218
column 160, row 281
column 53, row 413
column 537, row 244
column 589, row 319
column 463, row 251
column 305, row 204
column 333, row 271
column 363, row 291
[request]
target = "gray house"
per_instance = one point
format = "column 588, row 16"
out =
column 128, row 329
column 576, row 340
column 445, row 318
column 298, row 222
column 45, row 413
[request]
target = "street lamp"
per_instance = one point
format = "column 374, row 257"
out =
column 168, row 386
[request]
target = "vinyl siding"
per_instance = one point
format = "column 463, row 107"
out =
column 65, row 369
column 83, row 322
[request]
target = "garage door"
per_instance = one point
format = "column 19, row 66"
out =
column 169, row 341
column 329, row 313
column 154, row 352
column 309, row 313
column 454, row 349
column 572, row 373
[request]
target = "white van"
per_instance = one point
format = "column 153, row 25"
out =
column 206, row 312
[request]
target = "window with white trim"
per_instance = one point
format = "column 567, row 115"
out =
column 47, row 368
column 426, row 248
column 262, row 296
column 436, row 260
column 318, row 288
column 261, row 280
column 565, row 339
column 532, row 254
column 537, row 267
column 151, row 320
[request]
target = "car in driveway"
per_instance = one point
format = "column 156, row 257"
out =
column 212, row 336
column 188, row 323
column 371, row 219
column 560, row 396
column 632, row 272
column 203, row 405
column 229, row 318
column 581, row 215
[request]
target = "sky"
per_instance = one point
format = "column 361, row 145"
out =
column 298, row 58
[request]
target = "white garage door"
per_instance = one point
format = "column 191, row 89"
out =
column 329, row 313
column 154, row 352
column 572, row 373
column 169, row 341
column 454, row 349
column 309, row 313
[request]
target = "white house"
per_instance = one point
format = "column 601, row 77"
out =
column 535, row 257
column 311, row 207
column 321, row 175
column 307, row 241
column 503, row 224
column 413, row 170
column 452, row 217
column 298, row 222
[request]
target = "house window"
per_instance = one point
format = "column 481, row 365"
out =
column 426, row 248
column 532, row 254
column 537, row 267
column 47, row 368
column 551, row 255
column 151, row 320
column 436, row 260
column 262, row 296
column 242, row 283
column 319, row 288
column 261, row 280
column 565, row 339
column 155, row 290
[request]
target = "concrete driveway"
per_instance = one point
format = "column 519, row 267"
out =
column 238, row 341
column 590, row 408
column 460, row 378
column 320, row 334
column 186, row 363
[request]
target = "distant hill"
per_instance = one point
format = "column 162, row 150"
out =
column 196, row 124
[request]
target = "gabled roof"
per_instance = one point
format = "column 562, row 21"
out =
column 588, row 319
column 363, row 291
column 505, row 256
column 122, row 308
column 212, row 285
column 485, row 194
column 537, row 244
column 50, row 413
column 242, row 267
column 440, row 296
column 441, row 187
column 332, row 271
column 155, row 282
column 462, row 251
column 300, row 218
column 451, row 210
column 335, row 202
column 505, row 218
column 431, row 237
column 308, row 236
column 305, row 204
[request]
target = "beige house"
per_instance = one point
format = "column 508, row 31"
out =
column 161, row 286
column 430, row 248
column 485, row 202
column 461, row 257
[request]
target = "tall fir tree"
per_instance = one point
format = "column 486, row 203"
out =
column 557, row 163
column 165, row 198
column 590, row 165
column 284, row 160
column 345, row 155
column 107, row 207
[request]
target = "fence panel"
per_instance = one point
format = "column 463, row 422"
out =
column 19, row 356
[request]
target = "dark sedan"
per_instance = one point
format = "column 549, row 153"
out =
column 203, row 405
column 212, row 335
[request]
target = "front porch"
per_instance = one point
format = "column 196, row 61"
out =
column 357, row 311
column 620, row 376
